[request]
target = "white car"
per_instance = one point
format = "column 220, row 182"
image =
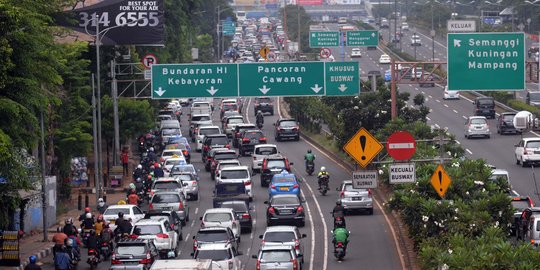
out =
column 162, row 233
column 260, row 152
column 203, row 131
column 132, row 212
column 231, row 123
column 404, row 26
column 221, row 217
column 223, row 164
column 450, row 94
column 356, row 53
column 221, row 254
column 171, row 162
column 236, row 174
column 528, row 151
column 477, row 126
column 171, row 153
column 385, row 59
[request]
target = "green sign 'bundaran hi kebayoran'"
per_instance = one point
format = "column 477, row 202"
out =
column 486, row 61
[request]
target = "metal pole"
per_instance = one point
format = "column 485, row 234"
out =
column 218, row 33
column 441, row 148
column 44, row 180
column 298, row 18
column 114, row 94
column 393, row 90
column 432, row 35
column 94, row 130
column 98, row 78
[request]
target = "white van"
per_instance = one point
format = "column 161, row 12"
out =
column 184, row 264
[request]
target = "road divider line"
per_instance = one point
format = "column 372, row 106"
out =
column 455, row 111
column 445, row 105
column 468, row 151
column 196, row 210
column 312, row 230
column 187, row 237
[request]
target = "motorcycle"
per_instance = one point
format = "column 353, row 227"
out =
column 85, row 234
column 105, row 250
column 339, row 222
column 324, row 184
column 260, row 124
column 310, row 167
column 93, row 259
column 339, row 251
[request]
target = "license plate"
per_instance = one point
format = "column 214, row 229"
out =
column 104, row 248
column 285, row 212
column 112, row 221
column 356, row 198
column 284, row 188
column 537, row 152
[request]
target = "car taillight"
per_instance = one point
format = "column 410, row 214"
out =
column 295, row 265
column 231, row 265
column 273, row 186
column 162, row 235
column 227, row 146
column 247, row 183
column 271, row 210
column 258, row 266
column 195, row 245
column 151, row 206
column 342, row 194
column 531, row 202
column 262, row 139
column 245, row 140
column 185, row 153
column 181, row 205
column 245, row 216
column 369, row 192
column 194, row 183
column 300, row 209
column 133, row 236
column 296, row 244
column 295, row 186
column 339, row 244
column 147, row 260
column 205, row 148
column 114, row 260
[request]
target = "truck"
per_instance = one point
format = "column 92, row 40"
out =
column 229, row 192
column 184, row 264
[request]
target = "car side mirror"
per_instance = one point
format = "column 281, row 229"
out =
column 265, row 202
column 300, row 255
column 260, row 236
column 254, row 256
column 515, row 145
column 193, row 237
column 304, row 235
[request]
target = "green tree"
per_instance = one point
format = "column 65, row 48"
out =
column 204, row 43
column 297, row 22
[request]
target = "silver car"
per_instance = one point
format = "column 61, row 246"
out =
column 170, row 200
column 355, row 198
column 477, row 126
column 280, row 257
column 190, row 184
column 284, row 235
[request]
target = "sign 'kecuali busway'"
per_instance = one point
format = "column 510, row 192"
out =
column 486, row 61
column 255, row 79
column 461, row 26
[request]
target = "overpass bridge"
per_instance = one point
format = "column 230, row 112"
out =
column 315, row 12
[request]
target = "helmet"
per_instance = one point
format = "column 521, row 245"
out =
column 88, row 215
column 338, row 202
column 100, row 200
column 138, row 179
column 100, row 218
column 69, row 221
column 139, row 166
column 69, row 242
column 32, row 259
column 58, row 229
column 120, row 214
column 259, row 111
column 323, row 168
column 149, row 177
column 156, row 165
column 151, row 149
column 152, row 167
column 87, row 210
column 132, row 186
column 309, row 150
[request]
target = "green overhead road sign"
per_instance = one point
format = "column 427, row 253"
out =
column 362, row 38
column 486, row 61
column 322, row 39
column 194, row 80
column 227, row 28
column 256, row 79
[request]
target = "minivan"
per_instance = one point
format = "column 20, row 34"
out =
column 484, row 106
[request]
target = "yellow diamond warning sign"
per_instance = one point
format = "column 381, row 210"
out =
column 363, row 147
column 440, row 181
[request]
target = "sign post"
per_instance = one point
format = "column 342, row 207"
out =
column 363, row 147
column 486, row 61
column 321, row 39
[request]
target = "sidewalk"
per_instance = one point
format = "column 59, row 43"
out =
column 34, row 244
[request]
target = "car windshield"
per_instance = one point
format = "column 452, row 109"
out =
column 229, row 107
column 212, row 236
column 478, row 121
column 147, row 229
column 520, row 205
column 266, row 150
column 533, row 144
column 283, row 179
column 219, row 141
column 288, row 123
column 130, row 250
column 217, row 217
column 166, row 198
column 235, row 120
column 276, row 256
column 115, row 211
column 279, row 237
column 214, row 255
column 223, row 156
column 166, row 185
column 171, row 131
column 201, row 118
column 234, row 174
column 285, row 200
column 534, row 95
column 275, row 164
column 208, row 131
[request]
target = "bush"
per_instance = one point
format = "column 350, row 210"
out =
column 522, row 106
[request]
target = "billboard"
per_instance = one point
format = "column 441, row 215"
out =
column 123, row 22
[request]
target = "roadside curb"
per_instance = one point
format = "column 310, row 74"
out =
column 40, row 255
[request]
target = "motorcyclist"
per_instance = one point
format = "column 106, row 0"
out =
column 93, row 243
column 131, row 187
column 69, row 228
column 59, row 239
column 99, row 224
column 106, row 235
column 137, row 173
column 72, row 249
column 101, row 206
column 158, row 171
column 341, row 235
column 339, row 212
column 83, row 215
column 139, row 185
column 323, row 173
column 88, row 222
column 133, row 198
column 62, row 261
column 152, row 155
column 122, row 225
column 309, row 157
column 259, row 118
column 32, row 265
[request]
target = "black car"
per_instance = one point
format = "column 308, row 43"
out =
column 243, row 213
column 130, row 253
column 286, row 128
column 214, row 141
column 263, row 104
column 228, row 107
column 173, row 218
column 285, row 208
column 238, row 131
column 250, row 138
column 218, row 156
column 505, row 123
column 484, row 106
column 215, row 235
column 273, row 165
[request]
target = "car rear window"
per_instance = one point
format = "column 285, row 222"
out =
column 169, row 153
column 275, row 164
column 131, row 249
column 266, row 150
column 276, row 256
column 229, row 107
column 283, row 179
column 115, row 211
column 253, row 135
column 265, row 100
column 185, row 177
column 234, row 174
column 186, row 168
column 485, row 101
column 147, row 229
column 285, row 200
column 217, row 217
column 218, row 141
column 167, row 185
column 223, row 156
column 236, row 206
column 165, row 198
column 279, row 237
column 215, row 255
column 533, row 144
column 478, row 121
column 171, row 131
column 520, row 205
column 208, row 131
column 173, row 162
column 200, row 118
column 349, row 187
column 212, row 236
column 508, row 117
column 235, row 120
column 288, row 123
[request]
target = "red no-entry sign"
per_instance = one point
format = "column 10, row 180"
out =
column 401, row 145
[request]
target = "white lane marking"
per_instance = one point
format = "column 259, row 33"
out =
column 192, row 223
column 438, row 100
column 429, row 119
column 468, row 151
column 455, row 111
column 464, row 117
column 196, row 210
column 423, row 92
column 445, row 105
column 430, row 96
column 187, row 236
column 437, row 126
